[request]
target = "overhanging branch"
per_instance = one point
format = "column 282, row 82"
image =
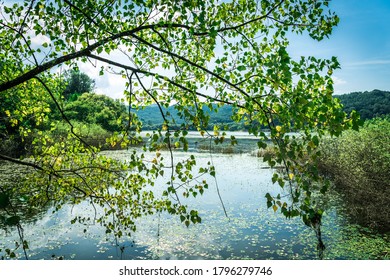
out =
column 176, row 84
column 21, row 162
column 86, row 51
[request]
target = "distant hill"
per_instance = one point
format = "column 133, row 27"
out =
column 369, row 105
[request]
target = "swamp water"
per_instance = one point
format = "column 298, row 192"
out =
column 251, row 231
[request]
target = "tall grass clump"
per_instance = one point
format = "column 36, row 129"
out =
column 359, row 164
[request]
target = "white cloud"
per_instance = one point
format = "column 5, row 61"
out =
column 108, row 84
column 111, row 85
column 40, row 39
column 370, row 62
column 338, row 81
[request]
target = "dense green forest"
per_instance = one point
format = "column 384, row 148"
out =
column 369, row 105
column 152, row 119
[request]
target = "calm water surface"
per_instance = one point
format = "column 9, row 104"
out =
column 251, row 231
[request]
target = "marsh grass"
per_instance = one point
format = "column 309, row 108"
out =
column 359, row 165
column 269, row 151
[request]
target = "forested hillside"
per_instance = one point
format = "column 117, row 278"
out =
column 152, row 119
column 369, row 104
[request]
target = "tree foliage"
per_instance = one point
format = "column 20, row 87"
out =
column 189, row 54
column 97, row 109
column 369, row 105
column 77, row 83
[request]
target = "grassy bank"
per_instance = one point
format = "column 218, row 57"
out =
column 359, row 165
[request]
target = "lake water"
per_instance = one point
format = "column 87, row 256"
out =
column 251, row 231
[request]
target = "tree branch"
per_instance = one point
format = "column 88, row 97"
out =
column 21, row 162
column 64, row 117
column 86, row 51
column 156, row 75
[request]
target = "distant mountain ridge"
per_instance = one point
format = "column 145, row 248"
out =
column 152, row 119
column 369, row 105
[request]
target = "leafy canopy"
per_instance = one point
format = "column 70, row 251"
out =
column 100, row 109
column 189, row 54
column 77, row 83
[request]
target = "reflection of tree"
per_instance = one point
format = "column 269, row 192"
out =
column 16, row 209
column 18, row 206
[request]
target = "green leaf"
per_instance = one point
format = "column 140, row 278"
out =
column 315, row 140
column 262, row 145
column 275, row 178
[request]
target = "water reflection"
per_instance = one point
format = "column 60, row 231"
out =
column 251, row 231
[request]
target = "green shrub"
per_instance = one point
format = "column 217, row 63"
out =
column 91, row 133
column 359, row 164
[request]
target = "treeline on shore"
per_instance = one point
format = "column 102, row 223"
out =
column 76, row 109
column 96, row 117
column 369, row 105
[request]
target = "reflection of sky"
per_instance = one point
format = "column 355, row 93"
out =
column 242, row 187
column 251, row 231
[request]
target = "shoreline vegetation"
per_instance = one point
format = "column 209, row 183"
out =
column 357, row 162
column 358, row 165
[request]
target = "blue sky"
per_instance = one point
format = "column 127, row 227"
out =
column 361, row 42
